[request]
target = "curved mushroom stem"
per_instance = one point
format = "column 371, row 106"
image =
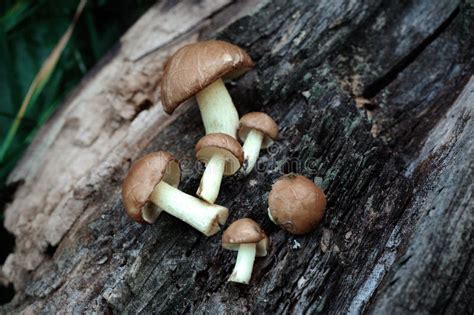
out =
column 217, row 109
column 211, row 179
column 244, row 265
column 270, row 216
column 202, row 216
column 251, row 148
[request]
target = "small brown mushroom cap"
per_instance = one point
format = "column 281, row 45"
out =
column 195, row 66
column 261, row 122
column 245, row 231
column 296, row 204
column 142, row 178
column 224, row 144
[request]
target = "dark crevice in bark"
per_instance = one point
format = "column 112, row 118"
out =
column 8, row 244
column 50, row 250
column 7, row 292
column 144, row 105
column 7, row 194
column 378, row 85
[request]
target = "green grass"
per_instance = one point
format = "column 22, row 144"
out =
column 29, row 31
column 35, row 76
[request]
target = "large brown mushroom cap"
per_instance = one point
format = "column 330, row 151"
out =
column 195, row 66
column 296, row 204
column 245, row 231
column 224, row 144
column 261, row 122
column 142, row 178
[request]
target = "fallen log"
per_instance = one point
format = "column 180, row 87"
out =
column 375, row 100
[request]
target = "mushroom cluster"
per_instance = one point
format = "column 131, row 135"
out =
column 151, row 186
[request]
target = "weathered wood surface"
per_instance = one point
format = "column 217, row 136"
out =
column 373, row 97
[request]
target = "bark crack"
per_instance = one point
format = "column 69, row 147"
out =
column 378, row 85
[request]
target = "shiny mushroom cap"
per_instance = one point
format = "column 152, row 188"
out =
column 195, row 66
column 142, row 178
column 296, row 204
column 245, row 231
column 261, row 122
column 223, row 144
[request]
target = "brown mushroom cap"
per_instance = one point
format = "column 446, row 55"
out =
column 224, row 144
column 142, row 178
column 261, row 122
column 296, row 204
column 245, row 231
column 195, row 66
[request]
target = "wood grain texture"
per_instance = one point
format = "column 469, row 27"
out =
column 397, row 171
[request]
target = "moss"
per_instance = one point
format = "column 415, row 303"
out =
column 351, row 124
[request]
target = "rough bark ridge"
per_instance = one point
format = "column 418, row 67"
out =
column 373, row 97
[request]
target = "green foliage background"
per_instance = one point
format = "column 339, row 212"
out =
column 29, row 30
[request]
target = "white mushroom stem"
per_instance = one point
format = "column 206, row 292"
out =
column 202, row 216
column 271, row 217
column 212, row 178
column 217, row 109
column 251, row 148
column 244, row 265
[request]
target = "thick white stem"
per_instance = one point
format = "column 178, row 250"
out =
column 197, row 213
column 217, row 109
column 212, row 178
column 251, row 147
column 244, row 264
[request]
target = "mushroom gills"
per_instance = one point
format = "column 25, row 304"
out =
column 244, row 265
column 217, row 109
column 211, row 179
column 202, row 216
column 252, row 146
column 151, row 212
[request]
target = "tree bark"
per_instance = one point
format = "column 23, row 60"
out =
column 374, row 97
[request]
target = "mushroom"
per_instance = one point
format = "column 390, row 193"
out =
column 257, row 131
column 150, row 187
column 245, row 236
column 296, row 204
column 199, row 69
column 222, row 155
